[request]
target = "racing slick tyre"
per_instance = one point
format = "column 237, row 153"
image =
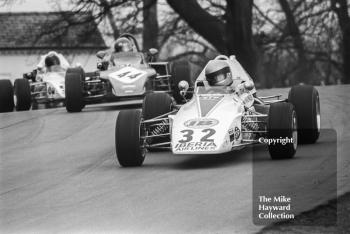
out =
column 306, row 102
column 156, row 104
column 128, row 142
column 73, row 89
column 78, row 70
column 6, row 96
column 282, row 126
column 22, row 94
column 181, row 71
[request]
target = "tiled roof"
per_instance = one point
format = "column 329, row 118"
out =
column 46, row 30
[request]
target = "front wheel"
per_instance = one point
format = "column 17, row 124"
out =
column 154, row 105
column 6, row 96
column 74, row 89
column 129, row 143
column 282, row 131
column 23, row 95
column 306, row 101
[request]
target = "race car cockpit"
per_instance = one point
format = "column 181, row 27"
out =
column 52, row 61
column 221, row 76
column 125, row 50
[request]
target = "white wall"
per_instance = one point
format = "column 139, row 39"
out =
column 14, row 64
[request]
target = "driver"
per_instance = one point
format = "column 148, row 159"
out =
column 50, row 62
column 51, row 59
column 123, row 45
column 218, row 73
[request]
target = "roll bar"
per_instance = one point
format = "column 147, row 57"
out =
column 129, row 36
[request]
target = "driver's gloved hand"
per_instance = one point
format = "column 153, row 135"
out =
column 103, row 65
column 30, row 75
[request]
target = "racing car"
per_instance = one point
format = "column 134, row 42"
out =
column 44, row 85
column 123, row 72
column 219, row 119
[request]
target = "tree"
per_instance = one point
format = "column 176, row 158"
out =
column 288, row 41
column 340, row 7
column 231, row 34
column 125, row 16
column 100, row 9
column 239, row 33
column 294, row 32
column 298, row 42
column 150, row 24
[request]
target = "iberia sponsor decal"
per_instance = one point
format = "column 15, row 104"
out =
column 195, row 146
column 201, row 123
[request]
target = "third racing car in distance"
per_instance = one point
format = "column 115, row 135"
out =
column 224, row 115
column 44, row 85
column 123, row 73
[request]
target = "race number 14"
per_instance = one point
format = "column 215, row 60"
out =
column 129, row 74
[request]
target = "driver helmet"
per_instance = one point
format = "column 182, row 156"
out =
column 218, row 73
column 52, row 59
column 123, row 45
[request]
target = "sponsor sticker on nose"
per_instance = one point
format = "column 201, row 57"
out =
column 201, row 123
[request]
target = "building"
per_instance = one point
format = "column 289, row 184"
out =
column 25, row 36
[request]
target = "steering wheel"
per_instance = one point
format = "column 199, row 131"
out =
column 221, row 57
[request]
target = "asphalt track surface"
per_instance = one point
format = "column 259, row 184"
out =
column 58, row 175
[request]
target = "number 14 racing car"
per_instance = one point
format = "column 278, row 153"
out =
column 124, row 72
column 219, row 119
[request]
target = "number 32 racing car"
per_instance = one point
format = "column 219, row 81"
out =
column 218, row 120
column 123, row 73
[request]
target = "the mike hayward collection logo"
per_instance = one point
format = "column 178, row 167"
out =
column 201, row 123
column 276, row 208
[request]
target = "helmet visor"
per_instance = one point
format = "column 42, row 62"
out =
column 220, row 77
column 123, row 45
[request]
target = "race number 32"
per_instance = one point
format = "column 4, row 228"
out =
column 188, row 135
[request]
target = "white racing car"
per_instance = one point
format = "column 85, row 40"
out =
column 124, row 72
column 219, row 119
column 44, row 85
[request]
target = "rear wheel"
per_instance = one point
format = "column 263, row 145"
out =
column 282, row 125
column 128, row 142
column 6, row 96
column 74, row 89
column 181, row 71
column 148, row 87
column 23, row 95
column 306, row 101
column 154, row 105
